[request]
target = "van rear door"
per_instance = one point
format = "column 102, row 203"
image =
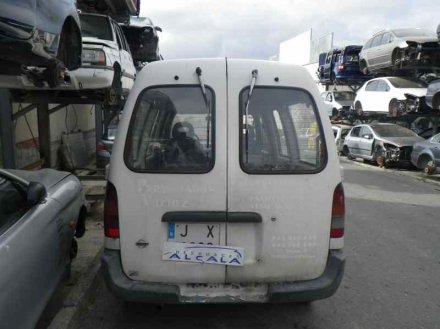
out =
column 282, row 183
column 172, row 186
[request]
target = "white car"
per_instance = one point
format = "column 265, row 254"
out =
column 209, row 182
column 107, row 72
column 387, row 95
column 108, row 67
column 338, row 102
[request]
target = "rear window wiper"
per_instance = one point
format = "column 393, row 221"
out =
column 246, row 111
column 208, row 106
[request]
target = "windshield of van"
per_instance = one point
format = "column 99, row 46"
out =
column 393, row 131
column 344, row 95
column 96, row 27
column 169, row 131
column 284, row 134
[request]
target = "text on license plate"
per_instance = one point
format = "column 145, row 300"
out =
column 199, row 253
column 194, row 233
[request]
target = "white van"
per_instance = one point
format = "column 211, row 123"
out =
column 216, row 192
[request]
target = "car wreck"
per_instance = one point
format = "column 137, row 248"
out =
column 383, row 143
column 143, row 40
column 400, row 49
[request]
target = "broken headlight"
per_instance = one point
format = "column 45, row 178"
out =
column 392, row 152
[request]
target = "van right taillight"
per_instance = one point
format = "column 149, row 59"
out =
column 338, row 213
column 111, row 217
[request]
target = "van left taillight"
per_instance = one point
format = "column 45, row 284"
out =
column 338, row 213
column 111, row 216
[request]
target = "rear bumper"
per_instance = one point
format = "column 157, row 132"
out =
column 278, row 292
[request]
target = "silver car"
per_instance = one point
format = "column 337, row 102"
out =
column 338, row 102
column 393, row 49
column 381, row 143
column 426, row 155
column 40, row 213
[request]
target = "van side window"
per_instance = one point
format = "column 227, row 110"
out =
column 171, row 131
column 282, row 132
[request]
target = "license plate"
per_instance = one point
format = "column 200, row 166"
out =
column 204, row 254
column 194, row 233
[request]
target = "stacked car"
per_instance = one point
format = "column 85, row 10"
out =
column 381, row 143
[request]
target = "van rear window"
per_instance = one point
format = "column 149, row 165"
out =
column 281, row 132
column 172, row 131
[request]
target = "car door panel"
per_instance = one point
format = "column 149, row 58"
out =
column 365, row 144
column 353, row 141
column 35, row 241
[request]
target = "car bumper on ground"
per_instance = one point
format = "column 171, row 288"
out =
column 142, row 291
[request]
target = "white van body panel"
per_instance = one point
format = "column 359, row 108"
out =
column 147, row 196
column 291, row 243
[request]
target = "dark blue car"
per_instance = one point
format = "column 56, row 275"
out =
column 341, row 65
column 39, row 33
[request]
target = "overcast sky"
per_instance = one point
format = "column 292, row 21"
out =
column 255, row 28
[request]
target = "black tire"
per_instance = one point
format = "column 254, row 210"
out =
column 358, row 109
column 363, row 67
column 73, row 249
column 436, row 101
column 54, row 74
column 348, row 154
column 70, row 46
column 393, row 108
column 395, row 60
